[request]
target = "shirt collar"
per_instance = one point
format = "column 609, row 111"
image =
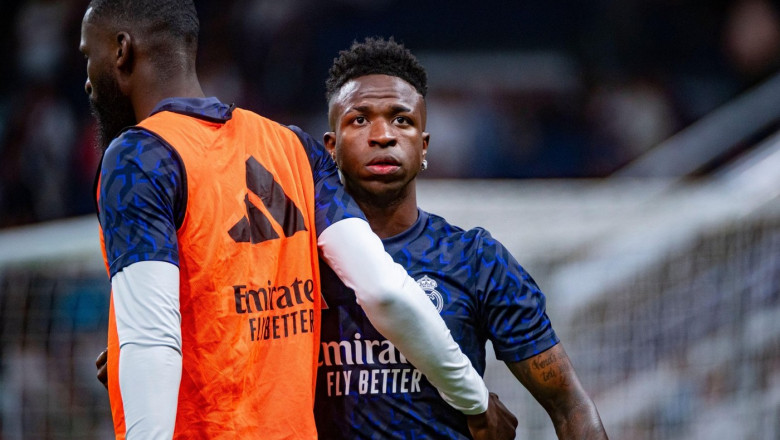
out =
column 397, row 242
column 207, row 108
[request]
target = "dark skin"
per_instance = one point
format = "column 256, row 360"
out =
column 125, row 57
column 121, row 58
column 379, row 143
column 378, row 140
column 550, row 378
column 124, row 84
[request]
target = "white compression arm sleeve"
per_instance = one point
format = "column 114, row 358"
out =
column 401, row 311
column 146, row 306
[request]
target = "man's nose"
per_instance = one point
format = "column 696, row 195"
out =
column 382, row 134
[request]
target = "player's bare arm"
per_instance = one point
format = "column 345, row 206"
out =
column 551, row 379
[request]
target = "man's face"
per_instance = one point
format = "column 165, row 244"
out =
column 378, row 139
column 111, row 107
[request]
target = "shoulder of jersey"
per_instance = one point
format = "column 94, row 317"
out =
column 454, row 232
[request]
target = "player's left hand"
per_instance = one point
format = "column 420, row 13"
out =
column 497, row 423
column 102, row 370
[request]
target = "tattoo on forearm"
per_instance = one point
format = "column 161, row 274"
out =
column 545, row 361
column 552, row 367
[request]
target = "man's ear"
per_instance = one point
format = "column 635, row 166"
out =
column 124, row 52
column 329, row 140
column 426, row 138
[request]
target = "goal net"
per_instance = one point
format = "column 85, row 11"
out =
column 53, row 324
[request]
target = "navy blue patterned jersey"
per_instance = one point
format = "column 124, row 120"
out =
column 143, row 188
column 367, row 390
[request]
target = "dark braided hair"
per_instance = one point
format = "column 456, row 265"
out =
column 376, row 56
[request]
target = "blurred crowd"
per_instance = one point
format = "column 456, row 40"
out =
column 541, row 89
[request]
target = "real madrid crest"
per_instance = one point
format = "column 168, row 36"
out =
column 429, row 286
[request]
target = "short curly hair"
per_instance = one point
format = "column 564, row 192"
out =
column 177, row 19
column 376, row 56
column 167, row 25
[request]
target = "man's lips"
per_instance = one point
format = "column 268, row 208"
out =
column 383, row 166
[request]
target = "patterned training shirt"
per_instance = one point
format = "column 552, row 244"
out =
column 367, row 390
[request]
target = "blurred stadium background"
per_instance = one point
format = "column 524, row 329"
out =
column 626, row 152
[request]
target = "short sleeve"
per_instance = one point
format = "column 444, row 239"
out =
column 141, row 200
column 515, row 319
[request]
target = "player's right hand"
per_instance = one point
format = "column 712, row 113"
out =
column 102, row 370
column 497, row 423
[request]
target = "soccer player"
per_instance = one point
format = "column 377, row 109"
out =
column 365, row 389
column 210, row 234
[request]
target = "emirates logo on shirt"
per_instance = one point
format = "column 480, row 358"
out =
column 255, row 226
column 429, row 286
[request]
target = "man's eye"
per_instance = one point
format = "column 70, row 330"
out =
column 401, row 120
column 360, row 120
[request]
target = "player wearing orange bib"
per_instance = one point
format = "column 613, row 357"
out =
column 249, row 296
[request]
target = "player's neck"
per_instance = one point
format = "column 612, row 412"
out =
column 148, row 97
column 390, row 218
